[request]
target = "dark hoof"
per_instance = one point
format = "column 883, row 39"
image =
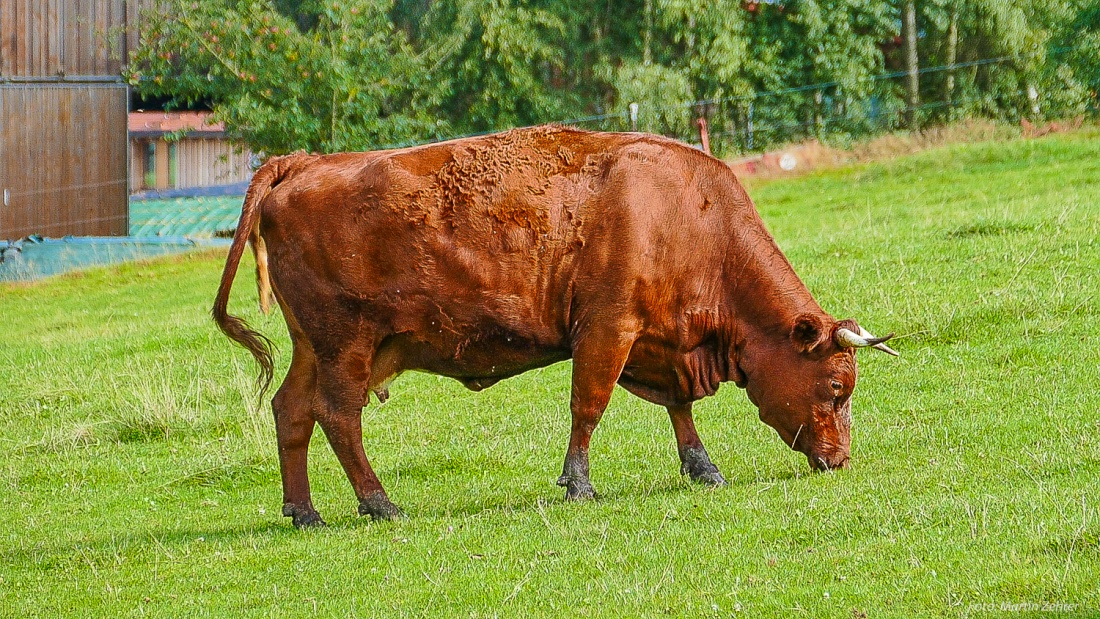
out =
column 303, row 517
column 378, row 507
column 713, row 478
column 697, row 465
column 577, row 489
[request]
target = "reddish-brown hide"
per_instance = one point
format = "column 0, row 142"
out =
column 640, row 258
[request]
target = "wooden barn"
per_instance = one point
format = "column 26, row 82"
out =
column 63, row 116
column 198, row 155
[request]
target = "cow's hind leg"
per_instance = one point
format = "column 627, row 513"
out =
column 339, row 409
column 694, row 460
column 293, row 428
column 597, row 363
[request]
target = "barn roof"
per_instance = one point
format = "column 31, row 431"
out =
column 156, row 124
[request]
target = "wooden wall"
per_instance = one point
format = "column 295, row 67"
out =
column 46, row 38
column 200, row 162
column 204, row 162
column 63, row 162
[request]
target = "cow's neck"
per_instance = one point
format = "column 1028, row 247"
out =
column 765, row 294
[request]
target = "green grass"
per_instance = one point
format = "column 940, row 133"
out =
column 140, row 480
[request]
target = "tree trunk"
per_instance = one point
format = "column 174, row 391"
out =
column 952, row 58
column 647, row 56
column 819, row 126
column 909, row 34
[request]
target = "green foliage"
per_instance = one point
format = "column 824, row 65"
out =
column 1076, row 55
column 139, row 479
column 493, row 62
column 1048, row 42
column 639, row 82
column 361, row 74
column 348, row 83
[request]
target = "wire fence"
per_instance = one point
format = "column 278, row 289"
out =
column 825, row 112
column 830, row 111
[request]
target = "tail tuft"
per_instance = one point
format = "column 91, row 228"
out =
column 256, row 343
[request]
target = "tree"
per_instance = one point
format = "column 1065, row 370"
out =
column 349, row 80
column 357, row 74
column 912, row 82
column 494, row 62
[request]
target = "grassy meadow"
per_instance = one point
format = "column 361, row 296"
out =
column 140, row 478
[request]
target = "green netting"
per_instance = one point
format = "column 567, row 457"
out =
column 158, row 227
column 35, row 257
column 191, row 217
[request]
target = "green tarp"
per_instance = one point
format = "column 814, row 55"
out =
column 34, row 257
column 191, row 217
column 158, row 227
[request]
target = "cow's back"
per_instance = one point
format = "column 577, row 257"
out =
column 493, row 251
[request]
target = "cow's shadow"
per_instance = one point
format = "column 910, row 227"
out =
column 538, row 498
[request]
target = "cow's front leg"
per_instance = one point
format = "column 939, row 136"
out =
column 694, row 460
column 597, row 363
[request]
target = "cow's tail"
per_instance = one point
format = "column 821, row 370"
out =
column 234, row 327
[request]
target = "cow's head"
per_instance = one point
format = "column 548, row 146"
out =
column 803, row 385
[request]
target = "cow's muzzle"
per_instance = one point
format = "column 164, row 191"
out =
column 825, row 464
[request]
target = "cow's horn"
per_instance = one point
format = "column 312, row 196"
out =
column 850, row 339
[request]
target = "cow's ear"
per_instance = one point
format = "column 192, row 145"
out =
column 808, row 332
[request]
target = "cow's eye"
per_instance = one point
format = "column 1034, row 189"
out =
column 837, row 386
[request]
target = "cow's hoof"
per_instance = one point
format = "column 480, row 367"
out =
column 579, row 492
column 303, row 517
column 577, row 489
column 713, row 478
column 378, row 507
column 697, row 465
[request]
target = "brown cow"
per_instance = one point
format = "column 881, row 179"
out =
column 640, row 258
